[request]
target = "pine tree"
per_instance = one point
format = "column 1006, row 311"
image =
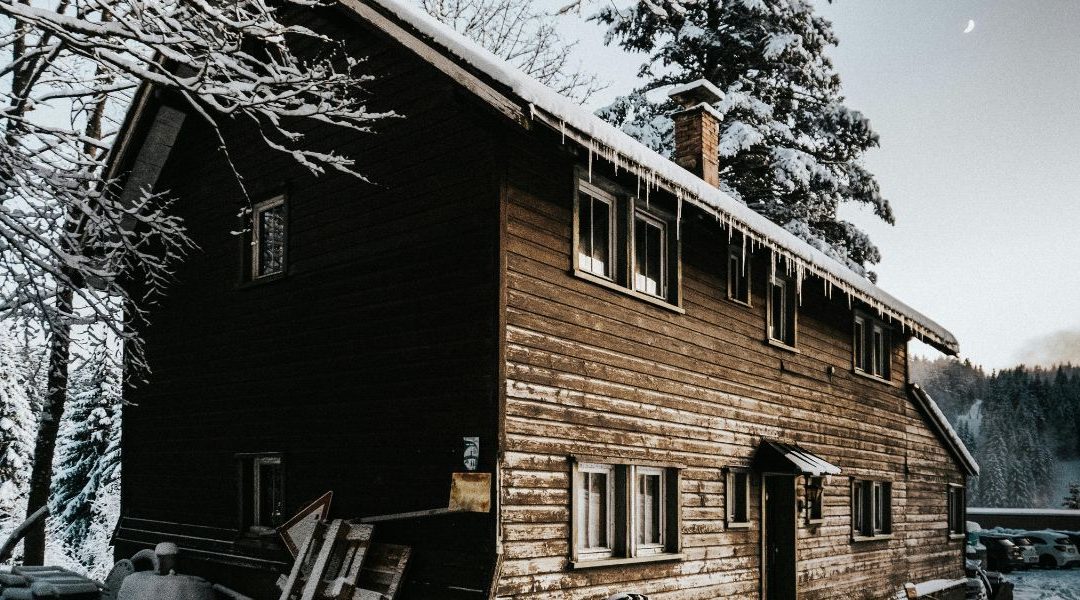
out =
column 1073, row 499
column 17, row 426
column 789, row 147
column 88, row 457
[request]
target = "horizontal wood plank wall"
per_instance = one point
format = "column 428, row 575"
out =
column 365, row 365
column 593, row 371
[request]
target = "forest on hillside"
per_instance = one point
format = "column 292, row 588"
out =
column 1021, row 425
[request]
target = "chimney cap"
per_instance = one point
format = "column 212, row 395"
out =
column 695, row 92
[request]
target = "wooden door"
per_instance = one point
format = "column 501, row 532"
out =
column 778, row 519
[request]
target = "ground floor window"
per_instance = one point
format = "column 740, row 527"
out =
column 871, row 508
column 262, row 491
column 737, row 495
column 624, row 510
column 957, row 507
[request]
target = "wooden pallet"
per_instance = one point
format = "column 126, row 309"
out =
column 338, row 562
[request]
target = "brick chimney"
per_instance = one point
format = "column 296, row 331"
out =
column 697, row 129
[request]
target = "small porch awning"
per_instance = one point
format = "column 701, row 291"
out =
column 778, row 457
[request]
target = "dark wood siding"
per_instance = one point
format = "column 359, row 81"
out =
column 593, row 371
column 371, row 359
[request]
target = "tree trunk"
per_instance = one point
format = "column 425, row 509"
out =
column 52, row 412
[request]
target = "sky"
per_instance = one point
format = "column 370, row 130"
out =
column 979, row 157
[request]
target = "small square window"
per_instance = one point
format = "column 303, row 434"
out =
column 268, row 238
column 737, row 495
column 262, row 492
column 596, row 231
column 782, row 309
column 650, row 255
column 738, row 273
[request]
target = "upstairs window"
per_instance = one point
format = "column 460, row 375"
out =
column 782, row 309
column 596, row 231
column 268, row 238
column 957, row 507
column 871, row 508
column 262, row 492
column 650, row 254
column 623, row 511
column 738, row 274
column 737, row 495
column 625, row 244
column 871, row 347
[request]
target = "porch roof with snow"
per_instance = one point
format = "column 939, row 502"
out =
column 536, row 103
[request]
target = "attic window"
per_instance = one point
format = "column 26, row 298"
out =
column 871, row 347
column 782, row 309
column 268, row 238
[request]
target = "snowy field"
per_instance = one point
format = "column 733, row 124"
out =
column 1046, row 585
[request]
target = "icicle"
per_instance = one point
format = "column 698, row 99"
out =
column 590, row 160
column 562, row 129
column 532, row 111
column 678, row 218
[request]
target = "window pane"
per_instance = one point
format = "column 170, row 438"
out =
column 648, row 257
column 271, row 240
column 593, row 515
column 649, row 520
column 594, row 235
column 742, row 483
column 860, row 339
column 777, row 311
column 880, row 353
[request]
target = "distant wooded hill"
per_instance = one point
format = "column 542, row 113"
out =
column 1021, row 424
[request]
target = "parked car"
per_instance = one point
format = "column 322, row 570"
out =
column 1072, row 535
column 1027, row 547
column 1001, row 553
column 1055, row 549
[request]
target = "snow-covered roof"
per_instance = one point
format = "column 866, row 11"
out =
column 603, row 140
column 952, row 440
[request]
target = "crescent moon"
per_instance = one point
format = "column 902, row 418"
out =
column 970, row 26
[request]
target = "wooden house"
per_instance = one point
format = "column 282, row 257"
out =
column 674, row 396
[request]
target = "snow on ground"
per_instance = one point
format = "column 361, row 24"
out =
column 1038, row 584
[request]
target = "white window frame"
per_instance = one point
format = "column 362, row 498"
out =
column 738, row 253
column 787, row 283
column 256, row 233
column 875, row 345
column 586, row 190
column 730, row 492
column 581, row 517
column 648, row 549
column 661, row 286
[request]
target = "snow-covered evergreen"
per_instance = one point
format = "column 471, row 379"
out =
column 1019, row 423
column 87, row 464
column 789, row 147
column 17, row 427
